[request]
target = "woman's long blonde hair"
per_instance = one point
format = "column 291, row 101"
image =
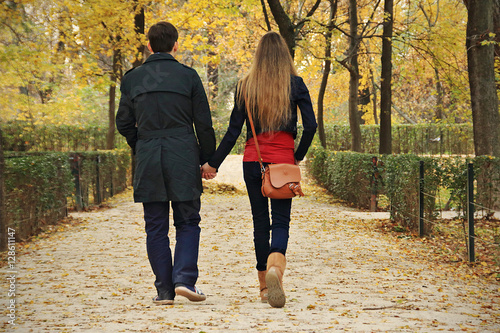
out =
column 265, row 90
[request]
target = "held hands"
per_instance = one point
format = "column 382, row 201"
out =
column 208, row 172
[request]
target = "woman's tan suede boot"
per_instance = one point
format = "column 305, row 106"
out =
column 276, row 264
column 262, row 286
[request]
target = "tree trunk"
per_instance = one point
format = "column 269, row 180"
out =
column 266, row 17
column 385, row 138
column 439, row 94
column 374, row 97
column 139, row 29
column 326, row 73
column 321, row 96
column 354, row 118
column 373, row 84
column 110, row 137
column 480, row 60
column 284, row 24
column 496, row 27
column 212, row 70
column 288, row 30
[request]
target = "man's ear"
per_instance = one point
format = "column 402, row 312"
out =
column 149, row 48
column 176, row 46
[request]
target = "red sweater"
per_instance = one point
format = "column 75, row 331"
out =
column 275, row 147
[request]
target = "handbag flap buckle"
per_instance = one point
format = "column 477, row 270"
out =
column 281, row 174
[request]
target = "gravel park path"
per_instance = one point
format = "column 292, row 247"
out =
column 91, row 274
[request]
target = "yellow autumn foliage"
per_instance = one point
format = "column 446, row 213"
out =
column 56, row 56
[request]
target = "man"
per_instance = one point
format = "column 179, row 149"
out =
column 161, row 101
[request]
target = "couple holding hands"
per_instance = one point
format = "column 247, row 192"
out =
column 165, row 117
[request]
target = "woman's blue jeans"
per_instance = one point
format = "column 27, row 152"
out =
column 268, row 237
column 184, row 269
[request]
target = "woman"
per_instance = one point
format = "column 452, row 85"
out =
column 270, row 93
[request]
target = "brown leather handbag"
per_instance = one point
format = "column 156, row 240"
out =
column 280, row 180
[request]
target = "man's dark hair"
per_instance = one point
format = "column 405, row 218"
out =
column 162, row 37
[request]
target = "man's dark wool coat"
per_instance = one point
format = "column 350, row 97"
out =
column 161, row 101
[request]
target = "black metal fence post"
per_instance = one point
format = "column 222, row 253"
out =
column 112, row 188
column 98, row 199
column 421, row 200
column 373, row 198
column 3, row 222
column 75, row 170
column 470, row 210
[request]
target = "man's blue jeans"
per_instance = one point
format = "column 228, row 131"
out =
column 184, row 269
column 263, row 229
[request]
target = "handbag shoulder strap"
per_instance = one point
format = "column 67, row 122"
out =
column 254, row 136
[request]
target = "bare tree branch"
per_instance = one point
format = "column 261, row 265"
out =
column 266, row 17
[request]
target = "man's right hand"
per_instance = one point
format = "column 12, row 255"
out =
column 208, row 172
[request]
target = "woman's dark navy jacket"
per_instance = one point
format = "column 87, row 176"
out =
column 299, row 98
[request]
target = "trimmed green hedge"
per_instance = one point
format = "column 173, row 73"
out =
column 36, row 191
column 239, row 147
column 19, row 136
column 102, row 174
column 343, row 174
column 430, row 139
column 400, row 174
column 38, row 185
column 350, row 177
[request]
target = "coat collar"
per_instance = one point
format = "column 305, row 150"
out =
column 160, row 56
